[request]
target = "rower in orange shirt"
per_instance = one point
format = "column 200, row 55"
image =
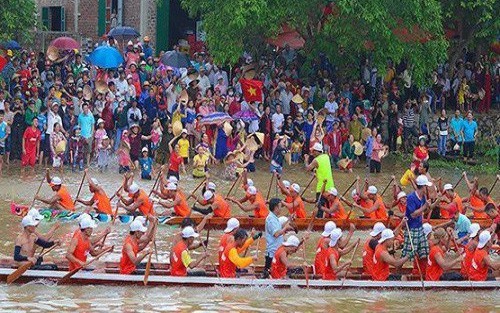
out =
column 136, row 241
column 333, row 255
column 333, row 208
column 180, row 260
column 322, row 246
column 469, row 249
column 280, row 263
column 296, row 203
column 82, row 244
column 99, row 198
column 138, row 199
column 284, row 187
column 257, row 203
column 233, row 225
column 218, row 205
column 230, row 258
column 481, row 261
column 382, row 259
column 375, row 208
column 176, row 200
column 449, row 200
column 361, row 200
column 478, row 198
column 62, row 199
column 370, row 246
column 437, row 265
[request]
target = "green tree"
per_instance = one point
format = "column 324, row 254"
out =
column 17, row 20
column 400, row 30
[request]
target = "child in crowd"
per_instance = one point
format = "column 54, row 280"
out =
column 184, row 146
column 123, row 153
column 99, row 135
column 296, row 149
column 156, row 134
column 146, row 164
column 77, row 149
column 103, row 153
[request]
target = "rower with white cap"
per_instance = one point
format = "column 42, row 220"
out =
column 35, row 214
column 400, row 202
column 469, row 249
column 99, row 197
column 136, row 241
column 382, row 259
column 280, row 263
column 323, row 168
column 438, row 268
column 448, row 201
column 296, row 205
column 377, row 210
column 481, row 261
column 62, row 199
column 180, row 260
column 330, row 204
column 322, row 246
column 26, row 242
column 257, row 204
column 370, row 245
column 333, row 254
column 217, row 204
column 284, row 187
column 138, row 199
column 175, row 199
column 361, row 200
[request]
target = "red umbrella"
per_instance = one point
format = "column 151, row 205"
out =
column 287, row 36
column 65, row 43
column 3, row 62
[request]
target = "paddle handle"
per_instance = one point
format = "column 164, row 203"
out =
column 307, row 186
column 47, row 251
column 349, row 266
column 197, row 187
column 80, row 188
column 348, row 188
column 37, row 192
column 386, row 187
column 269, row 189
column 493, row 186
column 156, row 182
column 458, row 182
column 415, row 254
column 232, row 186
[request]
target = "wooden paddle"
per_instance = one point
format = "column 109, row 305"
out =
column 23, row 268
column 232, row 186
column 37, row 192
column 307, row 186
column 68, row 276
column 458, row 182
column 385, row 189
column 148, row 264
column 415, row 255
column 315, row 212
column 349, row 266
column 269, row 189
column 156, row 182
column 306, row 272
column 81, row 185
column 348, row 188
column 257, row 249
column 493, row 186
column 196, row 189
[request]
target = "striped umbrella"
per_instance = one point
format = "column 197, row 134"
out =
column 215, row 118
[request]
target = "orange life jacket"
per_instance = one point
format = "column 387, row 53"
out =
column 182, row 209
column 433, row 271
column 82, row 249
column 65, row 199
column 380, row 270
column 329, row 273
column 126, row 265
column 478, row 270
column 319, row 260
column 278, row 269
column 177, row 268
column 103, row 203
column 223, row 208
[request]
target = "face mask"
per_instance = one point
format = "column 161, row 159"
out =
column 230, row 93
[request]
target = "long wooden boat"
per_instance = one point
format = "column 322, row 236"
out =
column 219, row 223
column 92, row 278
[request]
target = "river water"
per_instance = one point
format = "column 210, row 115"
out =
column 46, row 297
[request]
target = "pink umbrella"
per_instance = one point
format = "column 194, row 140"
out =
column 287, row 36
column 65, row 43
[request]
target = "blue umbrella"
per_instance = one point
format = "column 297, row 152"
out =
column 106, row 57
column 124, row 32
column 10, row 45
column 175, row 59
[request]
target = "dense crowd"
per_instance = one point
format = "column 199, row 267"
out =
column 69, row 112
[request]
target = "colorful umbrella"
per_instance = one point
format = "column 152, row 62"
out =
column 124, row 32
column 105, row 57
column 175, row 59
column 10, row 45
column 246, row 116
column 65, row 43
column 3, row 62
column 215, row 118
column 287, row 36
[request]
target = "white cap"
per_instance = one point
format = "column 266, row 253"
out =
column 232, row 224
column 447, row 187
column 137, row 225
column 328, row 228
column 133, row 188
column 333, row 191
column 35, row 214
column 354, row 193
column 372, row 190
column 184, row 131
column 286, row 183
column 386, row 234
column 144, row 149
column 87, row 223
column 173, row 179
column 335, row 236
column 99, row 121
column 171, row 186
column 292, row 241
column 473, row 230
column 318, row 147
column 296, row 188
column 189, row 232
column 252, row 190
column 56, row 180
column 94, row 181
column 249, row 182
column 211, row 186
column 377, row 229
column 28, row 220
column 427, row 228
column 283, row 220
column 484, row 238
column 141, row 219
column 84, row 216
column 401, row 194
column 208, row 195
column 422, row 180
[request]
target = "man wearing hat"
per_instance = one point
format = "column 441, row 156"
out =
column 257, row 204
column 331, row 205
column 62, row 199
column 138, row 199
column 481, row 260
column 232, row 226
column 99, row 197
column 230, row 259
column 324, row 177
column 24, row 245
column 180, row 260
column 280, row 263
column 469, row 249
column 322, row 246
column 377, row 209
column 146, row 48
column 370, row 246
column 382, row 259
column 176, row 199
column 136, row 241
column 333, row 254
column 217, row 205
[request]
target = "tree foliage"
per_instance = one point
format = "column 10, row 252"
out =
column 17, row 19
column 400, row 30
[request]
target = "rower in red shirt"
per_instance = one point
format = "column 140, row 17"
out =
column 333, row 254
column 257, row 203
column 481, row 261
column 322, row 246
column 176, row 200
column 332, row 206
column 469, row 249
column 437, row 265
column 370, row 246
column 377, row 209
column 233, row 225
column 99, row 198
column 382, row 259
column 280, row 263
column 180, row 260
column 138, row 199
column 296, row 205
column 230, row 258
column 362, row 201
column 62, row 199
column 218, row 205
column 137, row 240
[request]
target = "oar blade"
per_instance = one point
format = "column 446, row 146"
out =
column 148, row 270
column 19, row 272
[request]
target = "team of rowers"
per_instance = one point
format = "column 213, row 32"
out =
column 472, row 245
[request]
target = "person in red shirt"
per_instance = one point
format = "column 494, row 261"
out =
column 99, row 197
column 493, row 213
column 481, row 261
column 62, row 199
column 218, row 205
column 296, row 205
column 137, row 241
column 180, row 260
column 280, row 263
column 257, row 203
column 176, row 162
column 230, row 259
column 469, row 249
column 138, row 199
column 31, row 147
column 437, row 265
column 377, row 209
column 333, row 209
column 333, row 254
column 370, row 246
column 322, row 246
column 382, row 259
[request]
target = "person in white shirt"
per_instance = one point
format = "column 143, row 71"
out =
column 277, row 119
column 204, row 81
column 254, row 125
column 122, row 84
column 52, row 118
column 331, row 106
column 134, row 114
column 285, row 98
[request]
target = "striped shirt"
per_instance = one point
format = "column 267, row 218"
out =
column 409, row 118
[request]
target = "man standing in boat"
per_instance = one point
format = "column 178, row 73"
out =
column 62, row 199
column 323, row 168
column 99, row 198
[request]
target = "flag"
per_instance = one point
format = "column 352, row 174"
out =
column 252, row 89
